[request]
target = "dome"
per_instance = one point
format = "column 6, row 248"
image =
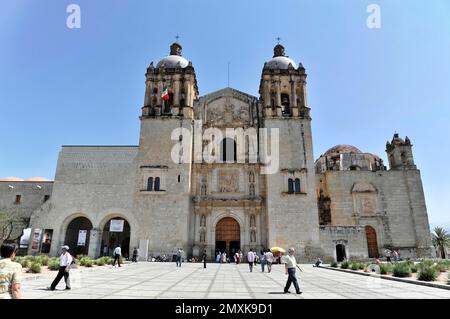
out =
column 342, row 149
column 11, row 179
column 174, row 59
column 280, row 62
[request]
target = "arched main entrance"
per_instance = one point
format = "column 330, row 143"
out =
column 372, row 244
column 116, row 234
column 228, row 236
column 77, row 236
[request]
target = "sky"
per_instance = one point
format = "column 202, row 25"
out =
column 62, row 86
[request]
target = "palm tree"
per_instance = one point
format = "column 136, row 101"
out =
column 441, row 240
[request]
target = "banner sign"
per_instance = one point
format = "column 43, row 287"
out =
column 116, row 225
column 82, row 237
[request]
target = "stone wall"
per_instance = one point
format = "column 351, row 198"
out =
column 352, row 237
column 395, row 209
column 32, row 195
column 93, row 182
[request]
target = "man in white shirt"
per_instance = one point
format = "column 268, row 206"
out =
column 290, row 266
column 269, row 260
column 65, row 260
column 251, row 259
column 117, row 255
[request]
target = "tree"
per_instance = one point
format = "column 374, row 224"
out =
column 11, row 224
column 441, row 240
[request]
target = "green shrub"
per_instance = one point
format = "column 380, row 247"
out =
column 85, row 260
column 25, row 263
column 441, row 266
column 427, row 263
column 385, row 268
column 35, row 268
column 427, row 273
column 414, row 268
column 345, row 265
column 362, row 266
column 333, row 264
column 44, row 260
column 354, row 266
column 100, row 261
column 401, row 269
column 88, row 263
column 53, row 264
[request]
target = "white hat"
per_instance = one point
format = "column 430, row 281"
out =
column 65, row 247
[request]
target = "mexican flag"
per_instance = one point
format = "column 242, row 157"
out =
column 165, row 94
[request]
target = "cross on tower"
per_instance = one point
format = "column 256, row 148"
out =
column 278, row 40
column 176, row 38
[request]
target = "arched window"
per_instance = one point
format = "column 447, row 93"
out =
column 290, row 186
column 297, row 185
column 157, row 184
column 229, row 150
column 285, row 103
column 150, row 184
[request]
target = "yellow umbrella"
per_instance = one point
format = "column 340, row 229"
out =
column 277, row 250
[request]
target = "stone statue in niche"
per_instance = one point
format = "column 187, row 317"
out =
column 203, row 221
column 253, row 236
column 202, row 236
column 252, row 221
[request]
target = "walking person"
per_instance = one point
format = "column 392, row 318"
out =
column 65, row 260
column 396, row 255
column 117, row 255
column 10, row 273
column 135, row 255
column 179, row 257
column 269, row 260
column 204, row 259
column 263, row 260
column 250, row 259
column 290, row 267
column 218, row 257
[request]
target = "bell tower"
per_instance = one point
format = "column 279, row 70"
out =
column 400, row 153
column 171, row 86
column 161, row 198
column 283, row 87
column 292, row 212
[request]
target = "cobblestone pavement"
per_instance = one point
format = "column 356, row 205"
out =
column 229, row 281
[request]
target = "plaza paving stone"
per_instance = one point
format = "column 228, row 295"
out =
column 221, row 281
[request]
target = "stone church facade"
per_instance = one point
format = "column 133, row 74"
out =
column 346, row 204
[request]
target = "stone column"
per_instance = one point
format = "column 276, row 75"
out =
column 95, row 242
column 278, row 100
column 294, row 106
column 304, row 100
column 176, row 88
column 266, row 93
